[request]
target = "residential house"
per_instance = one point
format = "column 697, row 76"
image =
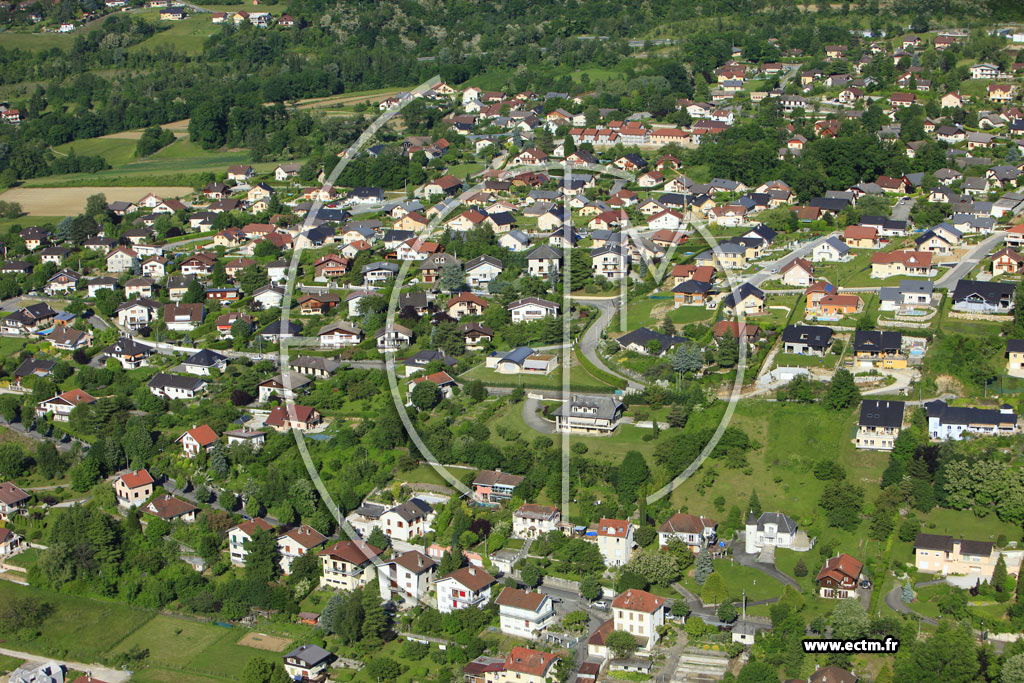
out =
column 807, row 340
column 285, row 385
column 1015, row 357
column 176, row 386
column 797, row 272
column 696, row 531
column 63, row 282
column 183, row 317
column 839, row 577
column 465, row 304
column 532, row 308
column 241, row 534
column 481, row 271
column 197, row 440
column 171, row 509
column 393, row 337
column 129, row 353
column 523, row 613
column 879, row 424
column 878, row 348
column 13, row 501
column 746, row 298
column 976, row 296
column 543, row 261
column 134, row 488
column 495, row 486
column 61, row 405
column 938, row 554
column 639, row 613
column 122, row 260
column 901, row 262
column 909, row 294
column 295, row 543
column 946, row 422
column 67, row 338
column 588, row 414
column 339, row 334
column 773, row 529
column 308, row 663
column 531, row 520
column 861, row 237
column 410, row 575
column 275, row 331
column 476, row 335
column 464, row 588
column 303, row 418
column 615, row 541
column 204, row 362
column 347, row 565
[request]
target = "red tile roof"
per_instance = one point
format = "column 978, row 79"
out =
column 351, row 551
column 134, row 480
column 638, row 601
column 530, row 662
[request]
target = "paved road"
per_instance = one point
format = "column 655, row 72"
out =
column 531, row 408
column 592, row 337
column 903, row 380
column 100, row 672
column 901, row 212
column 746, row 560
column 770, row 270
column 973, row 258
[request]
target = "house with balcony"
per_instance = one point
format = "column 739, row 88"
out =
column 532, row 520
column 839, row 577
column 939, row 554
column 879, row 424
column 696, row 531
column 495, row 486
column 878, row 348
column 240, row 534
column 637, row 612
column 347, row 565
column 773, row 529
column 409, row 576
column 584, row 414
column 951, row 423
column 308, row 663
column 615, row 541
column 295, row 543
column 532, row 308
column 13, row 501
column 464, row 588
column 523, row 613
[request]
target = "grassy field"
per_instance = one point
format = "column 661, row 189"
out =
column 759, row 586
column 180, row 649
column 187, row 35
column 26, row 558
column 78, row 628
column 35, row 41
column 8, row 664
column 684, row 315
column 70, row 201
column 116, row 151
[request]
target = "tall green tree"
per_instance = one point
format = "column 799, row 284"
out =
column 633, row 472
column 842, row 392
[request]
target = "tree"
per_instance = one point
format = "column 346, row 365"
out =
column 949, row 655
column 849, row 620
column 908, row 593
column 842, row 392
column 383, row 668
column 728, row 353
column 476, row 391
column 645, row 535
column 714, row 590
column 425, row 395
column 633, row 472
column 687, row 357
column 621, row 643
column 375, row 619
column 727, row 612
column 1017, row 331
column 680, row 609
column 800, row 569
column 655, row 566
column 757, row 671
column 451, row 277
column 1013, row 670
column 261, row 559
column 704, row 567
column 590, row 587
column 754, row 506
column 378, row 539
column 999, row 578
column 260, row 670
column 530, row 575
column 450, row 561
column 676, row 417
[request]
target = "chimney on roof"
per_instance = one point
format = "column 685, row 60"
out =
column 472, row 571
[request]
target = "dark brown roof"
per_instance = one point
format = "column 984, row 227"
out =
column 689, row 524
column 351, row 551
column 169, row 507
column 520, row 599
column 11, row 494
column 414, row 561
column 472, row 578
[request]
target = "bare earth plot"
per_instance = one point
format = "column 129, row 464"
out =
column 70, row 201
column 261, row 641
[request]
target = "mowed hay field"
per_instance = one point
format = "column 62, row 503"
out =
column 181, row 649
column 70, row 201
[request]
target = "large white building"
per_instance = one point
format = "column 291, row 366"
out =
column 463, row 588
column 946, row 422
column 637, row 612
column 523, row 613
column 531, row 520
column 615, row 541
column 774, row 529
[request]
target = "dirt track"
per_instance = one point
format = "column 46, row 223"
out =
column 70, row 201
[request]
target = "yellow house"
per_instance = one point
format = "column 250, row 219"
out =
column 1015, row 357
column 347, row 565
column 936, row 554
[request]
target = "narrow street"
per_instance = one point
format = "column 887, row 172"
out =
column 100, row 672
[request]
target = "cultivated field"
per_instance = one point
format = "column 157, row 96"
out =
column 70, row 201
column 261, row 641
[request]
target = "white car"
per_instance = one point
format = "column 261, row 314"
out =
column 600, row 604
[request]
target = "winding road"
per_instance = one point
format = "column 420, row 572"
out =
column 967, row 263
column 592, row 336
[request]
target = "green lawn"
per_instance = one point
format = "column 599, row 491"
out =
column 182, row 649
column 115, row 150
column 759, row 586
column 685, row 315
column 36, row 41
column 8, row 664
column 187, row 35
column 26, row 558
column 26, row 221
column 82, row 629
column 579, row 377
column 791, row 360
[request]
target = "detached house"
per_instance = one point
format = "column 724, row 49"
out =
column 495, row 486
column 588, row 414
column 132, row 489
column 296, row 542
column 61, row 405
column 615, row 541
column 197, row 440
column 879, row 348
column 464, row 588
column 524, row 614
column 410, row 575
column 806, row 340
column 839, row 577
column 12, row 500
column 935, row 554
column 347, row 565
column 774, row 529
column 879, row 424
column 946, row 422
column 902, row 262
column 697, row 532
column 176, row 386
column 241, row 534
column 122, row 260
column 171, row 509
column 531, row 520
column 975, row 296
column 637, row 612
column 532, row 308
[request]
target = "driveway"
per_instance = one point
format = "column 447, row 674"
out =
column 100, row 672
column 592, row 337
column 531, row 410
column 770, row 269
column 970, row 260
